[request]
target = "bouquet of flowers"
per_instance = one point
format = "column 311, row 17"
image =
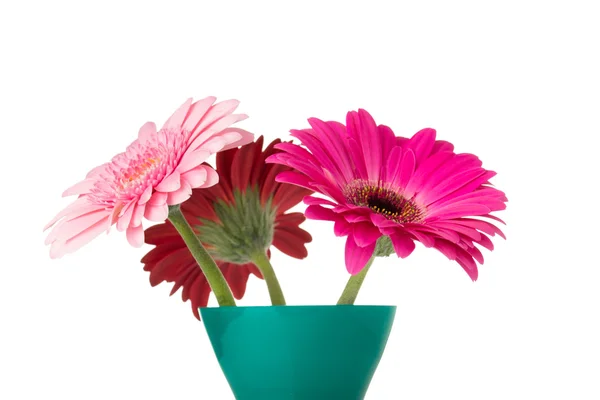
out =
column 217, row 224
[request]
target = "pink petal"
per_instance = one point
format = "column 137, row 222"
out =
column 196, row 112
column 191, row 159
column 82, row 187
column 125, row 216
column 60, row 248
column 146, row 195
column 158, row 199
column 357, row 257
column 212, row 177
column 135, row 235
column 72, row 227
column 138, row 213
column 195, row 177
column 244, row 138
column 156, row 213
column 176, row 120
column 180, row 195
column 403, row 245
column 147, row 131
column 79, row 207
column 170, row 183
column 215, row 129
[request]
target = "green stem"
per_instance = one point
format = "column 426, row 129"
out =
column 264, row 265
column 354, row 283
column 211, row 271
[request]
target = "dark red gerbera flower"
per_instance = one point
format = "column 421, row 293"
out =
column 244, row 213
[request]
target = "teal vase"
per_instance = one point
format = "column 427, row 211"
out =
column 299, row 352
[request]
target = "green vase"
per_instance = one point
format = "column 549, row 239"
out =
column 299, row 352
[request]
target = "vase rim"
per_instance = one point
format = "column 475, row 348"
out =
column 301, row 306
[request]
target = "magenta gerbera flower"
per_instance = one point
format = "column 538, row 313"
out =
column 395, row 189
column 159, row 169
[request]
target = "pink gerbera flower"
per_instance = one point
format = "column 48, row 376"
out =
column 395, row 189
column 159, row 169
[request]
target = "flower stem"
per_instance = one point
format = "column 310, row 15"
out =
column 211, row 271
column 264, row 265
column 354, row 283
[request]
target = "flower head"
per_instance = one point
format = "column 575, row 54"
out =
column 393, row 190
column 159, row 169
column 243, row 214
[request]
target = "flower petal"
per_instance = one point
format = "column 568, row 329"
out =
column 403, row 245
column 357, row 256
column 365, row 233
column 170, row 183
column 156, row 213
column 135, row 235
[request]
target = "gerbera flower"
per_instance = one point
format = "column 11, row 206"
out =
column 237, row 220
column 395, row 189
column 157, row 170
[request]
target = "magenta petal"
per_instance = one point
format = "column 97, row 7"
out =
column 365, row 233
column 311, row 200
column 422, row 143
column 342, row 227
column 171, row 183
column 403, row 245
column 357, row 257
column 294, row 178
column 320, row 213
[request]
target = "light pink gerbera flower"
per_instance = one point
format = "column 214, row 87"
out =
column 157, row 170
column 383, row 186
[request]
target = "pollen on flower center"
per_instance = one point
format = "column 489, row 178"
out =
column 384, row 201
column 138, row 172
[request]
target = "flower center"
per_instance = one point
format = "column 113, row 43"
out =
column 383, row 201
column 142, row 165
column 138, row 171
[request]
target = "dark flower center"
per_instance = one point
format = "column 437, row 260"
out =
column 384, row 201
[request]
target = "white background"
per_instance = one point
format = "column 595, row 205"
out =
column 514, row 82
